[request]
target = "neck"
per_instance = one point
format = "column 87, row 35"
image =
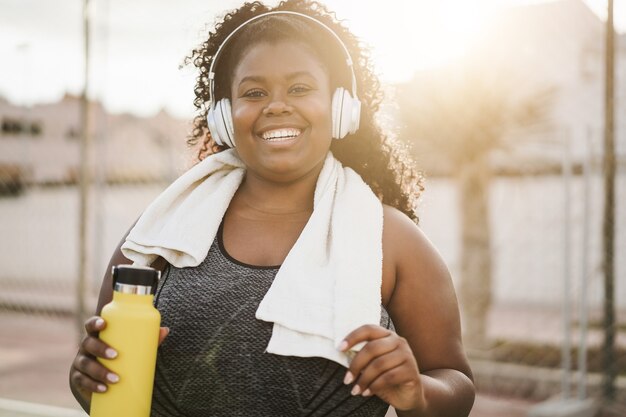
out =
column 258, row 195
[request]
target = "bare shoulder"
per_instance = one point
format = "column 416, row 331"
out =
column 408, row 249
column 422, row 302
column 398, row 226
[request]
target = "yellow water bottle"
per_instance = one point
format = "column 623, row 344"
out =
column 132, row 329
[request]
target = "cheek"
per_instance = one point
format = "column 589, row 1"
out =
column 321, row 112
column 243, row 116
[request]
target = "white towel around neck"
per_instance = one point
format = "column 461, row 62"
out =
column 329, row 283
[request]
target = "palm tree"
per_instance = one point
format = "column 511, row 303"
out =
column 455, row 122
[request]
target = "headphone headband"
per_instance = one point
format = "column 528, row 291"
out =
column 278, row 12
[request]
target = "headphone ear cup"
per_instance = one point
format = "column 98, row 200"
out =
column 220, row 123
column 355, row 115
column 346, row 113
column 227, row 120
column 336, row 106
column 210, row 121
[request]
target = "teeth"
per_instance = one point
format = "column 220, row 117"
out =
column 281, row 134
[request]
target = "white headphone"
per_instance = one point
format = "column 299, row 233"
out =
column 346, row 108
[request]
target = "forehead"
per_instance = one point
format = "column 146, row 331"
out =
column 279, row 59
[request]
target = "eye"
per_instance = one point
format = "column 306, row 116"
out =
column 254, row 93
column 299, row 89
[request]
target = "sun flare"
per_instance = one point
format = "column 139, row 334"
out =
column 413, row 35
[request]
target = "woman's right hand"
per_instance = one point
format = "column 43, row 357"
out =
column 87, row 375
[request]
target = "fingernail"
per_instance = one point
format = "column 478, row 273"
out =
column 101, row 388
column 99, row 322
column 343, row 346
column 355, row 390
column 348, row 378
column 111, row 377
column 367, row 393
column 110, row 353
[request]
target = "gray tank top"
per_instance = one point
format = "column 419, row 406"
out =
column 213, row 362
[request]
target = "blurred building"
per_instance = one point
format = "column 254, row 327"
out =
column 41, row 144
column 560, row 45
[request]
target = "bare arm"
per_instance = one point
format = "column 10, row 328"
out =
column 421, row 370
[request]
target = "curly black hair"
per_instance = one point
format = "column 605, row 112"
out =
column 382, row 163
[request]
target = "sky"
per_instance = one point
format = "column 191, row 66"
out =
column 137, row 46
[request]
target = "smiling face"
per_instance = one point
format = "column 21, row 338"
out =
column 281, row 107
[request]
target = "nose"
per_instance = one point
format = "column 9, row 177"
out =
column 277, row 107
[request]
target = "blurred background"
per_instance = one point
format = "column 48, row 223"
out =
column 504, row 105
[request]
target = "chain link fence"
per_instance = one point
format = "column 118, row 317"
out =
column 133, row 159
column 523, row 354
column 39, row 248
column 544, row 227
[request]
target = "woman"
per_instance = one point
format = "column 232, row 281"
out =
column 282, row 93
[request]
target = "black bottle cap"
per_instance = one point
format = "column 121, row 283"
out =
column 136, row 275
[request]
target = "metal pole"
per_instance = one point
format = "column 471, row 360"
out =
column 98, row 264
column 566, row 360
column 584, row 278
column 608, row 222
column 85, row 180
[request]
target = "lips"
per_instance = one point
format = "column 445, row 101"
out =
column 280, row 134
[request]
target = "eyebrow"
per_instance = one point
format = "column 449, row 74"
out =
column 290, row 76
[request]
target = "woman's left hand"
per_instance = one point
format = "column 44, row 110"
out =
column 385, row 367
